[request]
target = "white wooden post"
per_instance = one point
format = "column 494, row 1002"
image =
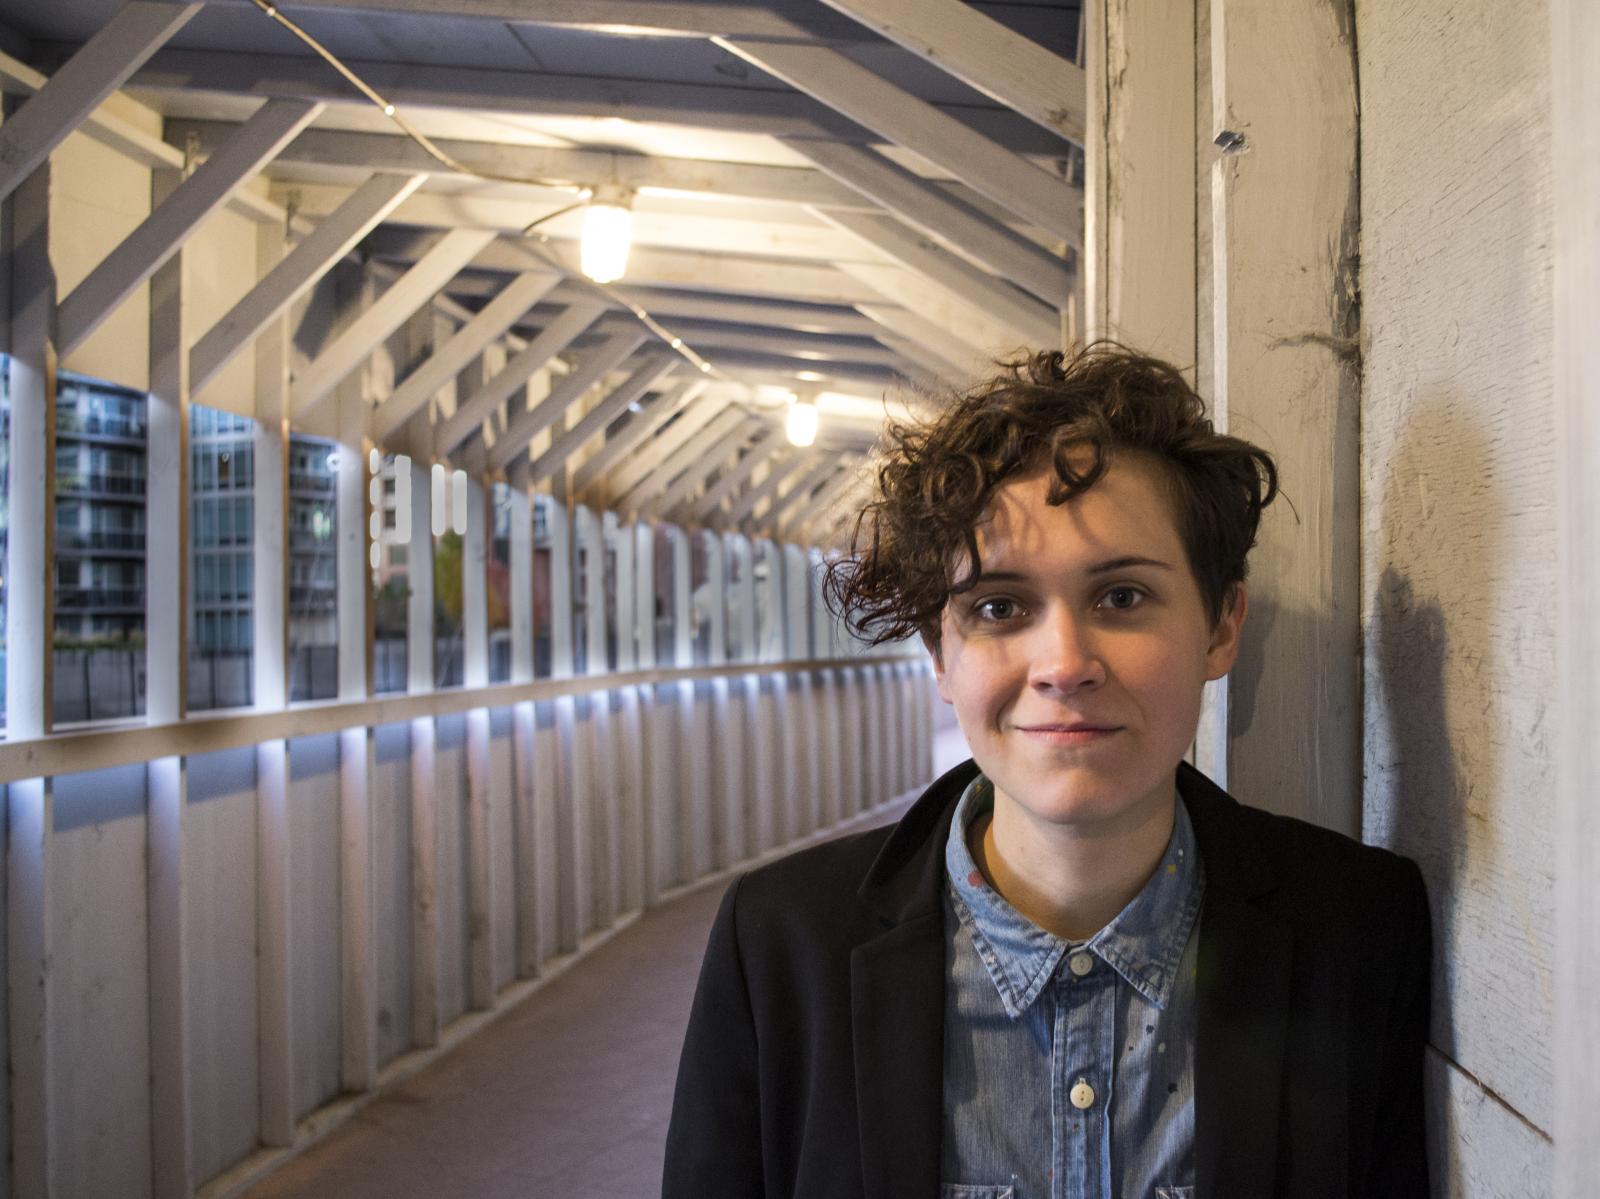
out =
column 741, row 730
column 1575, row 96
column 648, row 748
column 1285, row 317
column 524, row 723
column 29, row 580
column 807, row 760
column 475, row 674
column 166, row 672
column 592, row 782
column 686, row 801
column 575, row 876
column 270, row 690
column 1139, row 263
column 358, row 952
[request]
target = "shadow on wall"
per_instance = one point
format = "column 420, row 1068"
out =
column 1422, row 798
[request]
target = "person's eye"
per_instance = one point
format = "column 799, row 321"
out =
column 996, row 609
column 1121, row 599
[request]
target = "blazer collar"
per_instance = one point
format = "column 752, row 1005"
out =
column 1241, row 1000
column 897, row 1001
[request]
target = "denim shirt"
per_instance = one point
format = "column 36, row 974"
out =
column 1069, row 1066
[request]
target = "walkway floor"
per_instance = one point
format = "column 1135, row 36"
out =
column 567, row 1094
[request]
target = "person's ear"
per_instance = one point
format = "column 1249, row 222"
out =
column 1224, row 648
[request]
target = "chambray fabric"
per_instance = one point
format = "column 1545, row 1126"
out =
column 1023, row 1028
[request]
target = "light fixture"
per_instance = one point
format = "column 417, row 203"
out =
column 801, row 423
column 607, row 233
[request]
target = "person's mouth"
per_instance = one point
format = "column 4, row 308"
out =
column 1076, row 732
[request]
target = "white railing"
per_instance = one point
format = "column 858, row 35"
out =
column 344, row 890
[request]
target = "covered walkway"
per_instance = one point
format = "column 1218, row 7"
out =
column 426, row 427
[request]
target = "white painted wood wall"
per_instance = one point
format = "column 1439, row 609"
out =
column 1458, row 495
column 1426, row 483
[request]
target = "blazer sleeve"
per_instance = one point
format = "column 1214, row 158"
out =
column 1400, row 1158
column 714, row 1137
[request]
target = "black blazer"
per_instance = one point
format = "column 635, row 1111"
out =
column 813, row 1062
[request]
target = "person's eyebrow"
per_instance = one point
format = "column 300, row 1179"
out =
column 1109, row 566
column 1116, row 564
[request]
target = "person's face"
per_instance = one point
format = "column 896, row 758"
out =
column 1075, row 664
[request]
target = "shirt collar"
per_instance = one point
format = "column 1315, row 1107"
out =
column 1143, row 943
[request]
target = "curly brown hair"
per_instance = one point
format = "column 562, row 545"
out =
column 936, row 480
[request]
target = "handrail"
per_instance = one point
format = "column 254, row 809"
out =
column 206, row 732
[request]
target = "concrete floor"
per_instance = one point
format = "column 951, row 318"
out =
column 568, row 1094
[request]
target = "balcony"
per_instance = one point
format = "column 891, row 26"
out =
column 91, row 483
column 101, row 541
column 100, row 599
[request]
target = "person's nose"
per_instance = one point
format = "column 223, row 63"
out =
column 1065, row 655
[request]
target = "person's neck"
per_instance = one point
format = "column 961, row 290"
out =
column 1069, row 881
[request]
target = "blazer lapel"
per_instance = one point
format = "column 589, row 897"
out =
column 897, row 1016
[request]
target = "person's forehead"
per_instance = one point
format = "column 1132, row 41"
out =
column 1128, row 509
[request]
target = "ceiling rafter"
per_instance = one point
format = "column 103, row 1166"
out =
column 296, row 274
column 898, row 116
column 773, row 111
column 160, row 235
column 97, row 69
column 983, row 54
column 488, row 399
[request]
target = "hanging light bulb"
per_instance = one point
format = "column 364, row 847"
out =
column 801, row 423
column 607, row 234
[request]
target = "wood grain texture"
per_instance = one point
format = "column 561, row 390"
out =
column 1457, row 517
column 1575, row 96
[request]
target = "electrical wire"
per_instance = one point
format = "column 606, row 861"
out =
column 445, row 159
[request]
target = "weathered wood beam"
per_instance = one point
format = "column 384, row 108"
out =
column 175, row 219
column 739, row 109
column 100, row 67
column 296, row 274
column 802, row 489
column 984, row 55
column 655, row 267
column 488, row 399
column 695, row 417
column 1139, row 272
column 927, row 339
column 768, row 443
column 721, row 453
column 513, row 301
column 777, row 474
column 958, row 227
column 681, row 19
column 820, row 504
column 983, row 164
column 731, row 421
column 105, row 124
column 672, row 402
column 967, row 322
column 802, row 347
column 650, row 372
column 725, row 233
column 391, row 310
column 544, row 166
column 1034, row 322
column 525, row 426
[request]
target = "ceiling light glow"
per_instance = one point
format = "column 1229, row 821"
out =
column 607, row 234
column 801, row 423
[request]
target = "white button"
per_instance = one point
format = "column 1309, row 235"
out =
column 1082, row 1095
column 1081, row 963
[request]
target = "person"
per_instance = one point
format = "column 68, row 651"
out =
column 1075, row 966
